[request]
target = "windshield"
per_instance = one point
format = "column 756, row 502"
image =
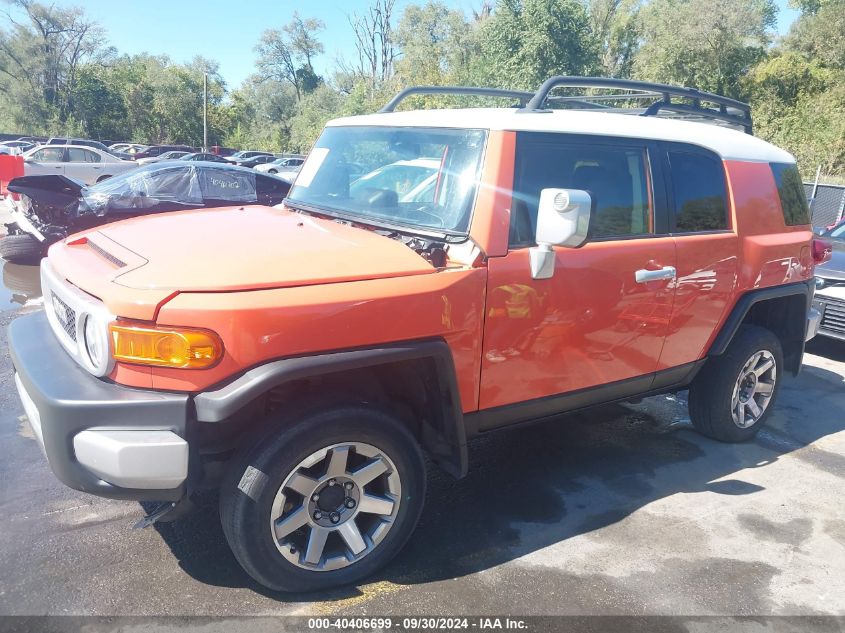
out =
column 418, row 177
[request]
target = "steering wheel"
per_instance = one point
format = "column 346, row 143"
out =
column 437, row 218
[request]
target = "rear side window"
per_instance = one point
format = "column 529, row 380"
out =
column 793, row 199
column 698, row 191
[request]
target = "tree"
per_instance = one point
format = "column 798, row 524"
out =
column 287, row 55
column 820, row 34
column 708, row 44
column 99, row 105
column 374, row 41
column 615, row 25
column 437, row 44
column 524, row 42
column 798, row 93
column 40, row 57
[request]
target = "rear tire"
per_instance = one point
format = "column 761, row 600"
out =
column 734, row 393
column 272, row 171
column 21, row 248
column 289, row 540
column 102, row 178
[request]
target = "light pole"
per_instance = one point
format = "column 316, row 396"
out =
column 205, row 112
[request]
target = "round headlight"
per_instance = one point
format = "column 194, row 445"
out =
column 95, row 341
column 819, row 283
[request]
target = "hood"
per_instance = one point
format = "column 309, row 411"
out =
column 49, row 189
column 835, row 268
column 247, row 248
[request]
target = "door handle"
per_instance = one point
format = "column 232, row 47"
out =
column 661, row 274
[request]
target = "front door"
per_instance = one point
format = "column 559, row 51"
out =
column 603, row 316
column 45, row 161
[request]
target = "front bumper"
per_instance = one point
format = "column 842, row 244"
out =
column 99, row 437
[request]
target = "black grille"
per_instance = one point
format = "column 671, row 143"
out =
column 834, row 315
column 66, row 317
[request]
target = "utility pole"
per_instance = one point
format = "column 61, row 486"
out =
column 205, row 112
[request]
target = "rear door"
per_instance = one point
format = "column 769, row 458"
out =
column 707, row 248
column 599, row 321
column 84, row 165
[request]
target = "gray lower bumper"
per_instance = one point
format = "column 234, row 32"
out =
column 99, row 437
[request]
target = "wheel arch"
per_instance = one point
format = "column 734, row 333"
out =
column 781, row 309
column 415, row 379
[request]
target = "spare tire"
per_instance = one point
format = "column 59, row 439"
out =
column 21, row 249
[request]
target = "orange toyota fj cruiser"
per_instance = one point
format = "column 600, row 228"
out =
column 432, row 276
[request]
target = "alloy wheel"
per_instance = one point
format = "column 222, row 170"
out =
column 335, row 506
column 754, row 389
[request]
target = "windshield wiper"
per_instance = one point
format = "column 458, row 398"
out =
column 369, row 221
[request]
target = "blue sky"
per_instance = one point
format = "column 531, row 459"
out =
column 227, row 30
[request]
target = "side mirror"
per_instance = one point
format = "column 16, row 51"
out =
column 563, row 219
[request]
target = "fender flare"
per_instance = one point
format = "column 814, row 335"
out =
column 744, row 304
column 450, row 452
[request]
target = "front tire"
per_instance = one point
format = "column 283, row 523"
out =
column 733, row 395
column 324, row 502
column 21, row 248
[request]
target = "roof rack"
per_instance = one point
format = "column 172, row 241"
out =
column 521, row 96
column 653, row 97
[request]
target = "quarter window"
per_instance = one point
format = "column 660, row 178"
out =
column 698, row 188
column 793, row 199
column 616, row 177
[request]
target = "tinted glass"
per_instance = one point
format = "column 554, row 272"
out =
column 698, row 187
column 793, row 198
column 270, row 190
column 615, row 177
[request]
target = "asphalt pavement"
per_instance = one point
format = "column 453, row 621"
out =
column 623, row 510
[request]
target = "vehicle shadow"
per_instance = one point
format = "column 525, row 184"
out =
column 830, row 348
column 531, row 487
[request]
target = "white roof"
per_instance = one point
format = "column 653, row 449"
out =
column 730, row 144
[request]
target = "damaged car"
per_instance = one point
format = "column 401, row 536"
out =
column 49, row 208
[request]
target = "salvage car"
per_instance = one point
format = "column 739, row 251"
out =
column 86, row 164
column 52, row 207
column 830, row 286
column 304, row 359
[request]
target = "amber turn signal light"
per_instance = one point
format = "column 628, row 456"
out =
column 181, row 348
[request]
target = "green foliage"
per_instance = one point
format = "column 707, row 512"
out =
column 525, row 42
column 709, row 44
column 438, row 45
column 798, row 93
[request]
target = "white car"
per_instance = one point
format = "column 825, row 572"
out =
column 172, row 155
column 412, row 180
column 286, row 167
column 86, row 164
